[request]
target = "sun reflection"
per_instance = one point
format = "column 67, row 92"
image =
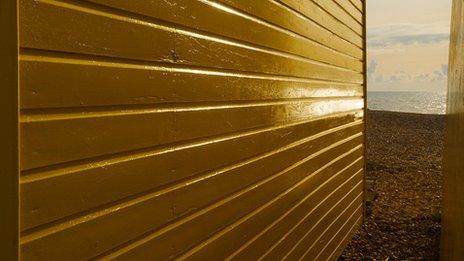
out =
column 327, row 107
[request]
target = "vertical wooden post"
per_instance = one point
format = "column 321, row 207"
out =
column 365, row 102
column 9, row 149
column 452, row 234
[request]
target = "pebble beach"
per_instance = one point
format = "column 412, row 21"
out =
column 404, row 173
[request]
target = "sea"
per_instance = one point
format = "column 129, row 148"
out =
column 416, row 102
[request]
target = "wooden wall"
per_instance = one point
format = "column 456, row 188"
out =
column 194, row 129
column 9, row 149
column 452, row 243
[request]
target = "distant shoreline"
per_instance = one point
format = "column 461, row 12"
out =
column 406, row 113
column 412, row 102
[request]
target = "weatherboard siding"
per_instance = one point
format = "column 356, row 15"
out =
column 192, row 129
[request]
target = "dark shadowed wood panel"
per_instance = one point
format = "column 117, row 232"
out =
column 192, row 129
column 452, row 240
column 9, row 152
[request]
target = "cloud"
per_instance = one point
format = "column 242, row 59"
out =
column 407, row 34
column 404, row 77
column 430, row 77
column 409, row 39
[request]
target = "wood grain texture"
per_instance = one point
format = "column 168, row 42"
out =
column 192, row 129
column 452, row 235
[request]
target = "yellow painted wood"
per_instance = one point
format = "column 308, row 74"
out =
column 319, row 235
column 340, row 14
column 252, row 22
column 312, row 26
column 358, row 4
column 9, row 152
column 284, row 232
column 110, row 228
column 452, row 235
column 134, row 38
column 353, row 221
column 249, row 231
column 347, row 238
column 351, row 9
column 163, row 245
column 173, row 84
column 352, row 218
column 321, row 13
column 65, row 135
column 234, row 23
column 197, row 129
column 55, row 193
column 307, row 230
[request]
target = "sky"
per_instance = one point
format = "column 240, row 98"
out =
column 408, row 43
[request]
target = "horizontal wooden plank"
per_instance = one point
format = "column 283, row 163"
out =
column 321, row 15
column 56, row 193
column 200, row 129
column 358, row 4
column 130, row 38
column 342, row 178
column 335, row 239
column 339, row 13
column 315, row 239
column 99, row 232
column 163, row 245
column 234, row 23
column 343, row 222
column 307, row 222
column 349, row 7
column 50, row 81
column 313, row 188
column 347, row 239
column 52, row 138
column 312, row 26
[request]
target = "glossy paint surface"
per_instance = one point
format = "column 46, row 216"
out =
column 453, row 197
column 191, row 129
